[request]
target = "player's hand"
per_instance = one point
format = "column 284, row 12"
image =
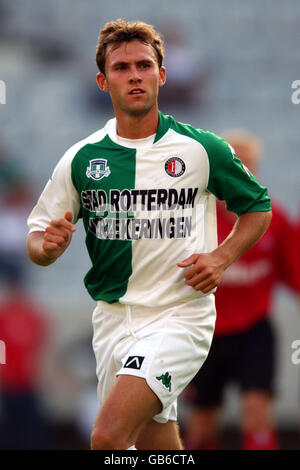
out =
column 205, row 271
column 58, row 236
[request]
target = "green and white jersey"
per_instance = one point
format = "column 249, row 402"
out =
column 146, row 205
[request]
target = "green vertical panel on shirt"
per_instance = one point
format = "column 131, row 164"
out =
column 111, row 259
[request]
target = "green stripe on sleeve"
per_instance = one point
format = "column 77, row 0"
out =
column 231, row 181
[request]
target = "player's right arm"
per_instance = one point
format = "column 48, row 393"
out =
column 44, row 247
column 51, row 220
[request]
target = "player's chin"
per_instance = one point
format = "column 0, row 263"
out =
column 139, row 109
column 142, row 104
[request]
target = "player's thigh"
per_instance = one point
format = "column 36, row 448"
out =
column 159, row 436
column 129, row 406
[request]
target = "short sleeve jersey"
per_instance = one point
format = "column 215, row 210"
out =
column 146, row 205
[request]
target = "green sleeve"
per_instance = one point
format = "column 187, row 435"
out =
column 231, row 181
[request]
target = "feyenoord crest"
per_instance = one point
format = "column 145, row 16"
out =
column 98, row 169
column 175, row 167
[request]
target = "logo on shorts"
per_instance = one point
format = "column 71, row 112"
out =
column 98, row 169
column 134, row 362
column 165, row 380
column 175, row 167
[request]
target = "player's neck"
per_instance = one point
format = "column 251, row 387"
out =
column 137, row 127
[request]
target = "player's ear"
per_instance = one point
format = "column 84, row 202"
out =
column 101, row 81
column 162, row 76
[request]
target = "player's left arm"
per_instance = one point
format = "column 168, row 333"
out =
column 231, row 181
column 205, row 270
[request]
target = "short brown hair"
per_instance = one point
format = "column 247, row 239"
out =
column 116, row 32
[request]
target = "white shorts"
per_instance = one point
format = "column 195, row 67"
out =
column 166, row 346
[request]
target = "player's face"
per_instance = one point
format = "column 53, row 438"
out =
column 132, row 77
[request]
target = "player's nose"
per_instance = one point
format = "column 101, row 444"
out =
column 134, row 75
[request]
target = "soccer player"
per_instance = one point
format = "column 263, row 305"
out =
column 145, row 187
column 243, row 350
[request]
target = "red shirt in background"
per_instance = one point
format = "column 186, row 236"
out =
column 23, row 330
column 245, row 294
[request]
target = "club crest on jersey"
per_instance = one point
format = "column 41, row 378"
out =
column 97, row 169
column 175, row 167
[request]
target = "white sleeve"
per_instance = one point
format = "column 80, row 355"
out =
column 58, row 196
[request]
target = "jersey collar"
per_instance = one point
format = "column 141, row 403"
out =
column 163, row 126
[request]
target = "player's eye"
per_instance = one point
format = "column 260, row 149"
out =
column 120, row 67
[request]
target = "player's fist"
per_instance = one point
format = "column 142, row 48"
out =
column 204, row 271
column 58, row 236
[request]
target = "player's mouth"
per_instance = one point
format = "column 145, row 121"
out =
column 136, row 91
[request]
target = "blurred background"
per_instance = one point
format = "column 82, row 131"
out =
column 229, row 64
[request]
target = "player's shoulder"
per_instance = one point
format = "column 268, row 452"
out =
column 91, row 139
column 66, row 161
column 212, row 143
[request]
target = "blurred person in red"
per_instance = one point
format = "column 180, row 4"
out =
column 24, row 332
column 244, row 346
column 24, row 327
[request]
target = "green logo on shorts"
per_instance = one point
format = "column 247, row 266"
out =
column 166, row 380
